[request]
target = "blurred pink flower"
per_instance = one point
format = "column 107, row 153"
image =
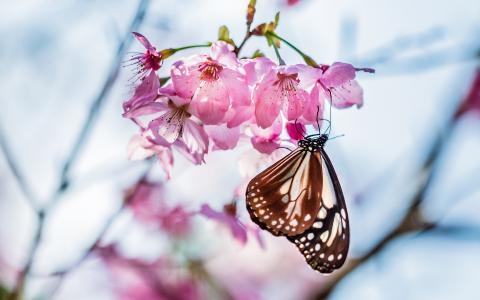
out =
column 216, row 85
column 280, row 89
column 141, row 147
column 149, row 206
column 134, row 279
column 228, row 217
column 150, row 60
column 266, row 140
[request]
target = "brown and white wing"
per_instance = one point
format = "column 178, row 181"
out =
column 285, row 198
column 325, row 245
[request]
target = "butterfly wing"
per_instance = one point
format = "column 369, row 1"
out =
column 325, row 244
column 285, row 198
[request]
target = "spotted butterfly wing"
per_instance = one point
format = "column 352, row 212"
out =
column 315, row 204
column 281, row 198
column 325, row 244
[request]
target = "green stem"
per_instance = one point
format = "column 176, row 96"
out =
column 190, row 47
column 280, row 59
column 305, row 57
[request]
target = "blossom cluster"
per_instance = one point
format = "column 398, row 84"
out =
column 212, row 100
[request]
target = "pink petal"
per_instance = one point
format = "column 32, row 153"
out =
column 185, row 78
column 165, row 159
column 296, row 130
column 196, row 158
column 170, row 93
column 267, row 99
column 239, row 115
column 168, row 126
column 222, row 52
column 224, row 138
column 294, row 104
column 347, row 95
column 195, row 137
column 264, row 145
column 146, row 92
column 271, row 132
column 144, row 41
column 314, row 109
column 237, row 229
column 338, row 74
column 146, row 109
column 257, row 68
column 236, row 86
column 210, row 102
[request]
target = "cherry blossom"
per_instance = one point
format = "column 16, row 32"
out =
column 337, row 84
column 228, row 217
column 149, row 60
column 266, row 140
column 135, row 279
column 215, row 83
column 149, row 207
column 280, row 89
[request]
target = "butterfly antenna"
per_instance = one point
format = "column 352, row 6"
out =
column 330, row 114
column 337, row 136
column 318, row 114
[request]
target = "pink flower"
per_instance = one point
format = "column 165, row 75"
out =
column 266, row 140
column 223, row 138
column 296, row 131
column 170, row 123
column 280, row 89
column 150, row 60
column 216, row 85
column 149, row 207
column 135, row 279
column 338, row 85
column 140, row 147
column 228, row 217
column 144, row 95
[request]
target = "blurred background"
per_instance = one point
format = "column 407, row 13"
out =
column 409, row 162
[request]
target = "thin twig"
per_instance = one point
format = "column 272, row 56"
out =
column 21, row 181
column 102, row 95
column 78, row 145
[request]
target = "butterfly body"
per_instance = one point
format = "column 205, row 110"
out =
column 300, row 197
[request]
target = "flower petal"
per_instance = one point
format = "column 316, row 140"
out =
column 347, row 94
column 185, row 77
column 264, row 145
column 236, row 86
column 144, row 41
column 224, row 138
column 314, row 109
column 195, row 137
column 338, row 74
column 294, row 103
column 168, row 126
column 146, row 92
column 222, row 52
column 296, row 130
column 210, row 102
column 237, row 229
column 239, row 115
column 267, row 99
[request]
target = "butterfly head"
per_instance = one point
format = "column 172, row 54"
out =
column 313, row 143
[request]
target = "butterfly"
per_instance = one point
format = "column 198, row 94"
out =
column 300, row 197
